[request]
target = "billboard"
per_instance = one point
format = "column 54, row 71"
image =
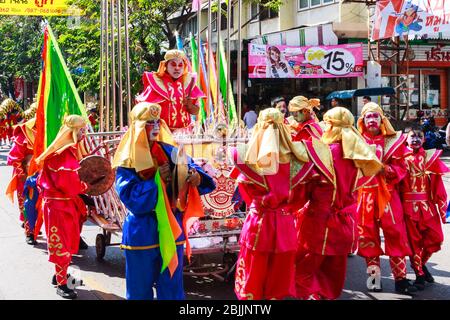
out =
column 410, row 18
column 38, row 8
column 267, row 61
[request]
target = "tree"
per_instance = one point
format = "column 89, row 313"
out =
column 21, row 39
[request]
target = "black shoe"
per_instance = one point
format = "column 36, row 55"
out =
column 419, row 283
column 428, row 277
column 54, row 279
column 30, row 240
column 404, row 286
column 83, row 245
column 65, row 292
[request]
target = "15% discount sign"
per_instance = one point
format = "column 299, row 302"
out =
column 337, row 61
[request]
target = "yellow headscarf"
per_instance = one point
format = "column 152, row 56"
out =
column 339, row 127
column 386, row 127
column 299, row 103
column 134, row 149
column 271, row 143
column 172, row 54
column 67, row 137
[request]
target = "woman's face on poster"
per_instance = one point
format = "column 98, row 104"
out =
column 274, row 55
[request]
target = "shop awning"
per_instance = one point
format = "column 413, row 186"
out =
column 347, row 94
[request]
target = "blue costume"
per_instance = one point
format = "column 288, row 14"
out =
column 31, row 195
column 140, row 240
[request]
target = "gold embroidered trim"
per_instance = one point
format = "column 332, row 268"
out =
column 124, row 247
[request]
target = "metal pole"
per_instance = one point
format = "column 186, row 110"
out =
column 228, row 62
column 113, row 66
column 127, row 53
column 119, row 57
column 102, row 60
column 239, row 62
column 208, row 85
column 219, row 18
column 108, row 100
column 198, row 41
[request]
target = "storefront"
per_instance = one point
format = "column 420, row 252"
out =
column 428, row 87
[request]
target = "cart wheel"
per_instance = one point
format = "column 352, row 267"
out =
column 107, row 235
column 100, row 246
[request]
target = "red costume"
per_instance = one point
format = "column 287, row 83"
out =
column 169, row 94
column 327, row 225
column 60, row 186
column 22, row 147
column 379, row 204
column 425, row 204
column 266, row 264
column 307, row 130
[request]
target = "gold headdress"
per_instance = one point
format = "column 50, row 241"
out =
column 67, row 137
column 271, row 143
column 134, row 149
column 340, row 127
column 299, row 103
column 386, row 127
column 172, row 54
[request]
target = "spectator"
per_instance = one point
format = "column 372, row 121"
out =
column 337, row 102
column 250, row 117
column 366, row 99
column 280, row 104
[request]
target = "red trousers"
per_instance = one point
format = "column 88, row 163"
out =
column 319, row 275
column 264, row 275
column 62, row 226
column 425, row 237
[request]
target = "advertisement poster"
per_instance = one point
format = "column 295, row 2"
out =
column 38, row 8
column 266, row 61
column 411, row 18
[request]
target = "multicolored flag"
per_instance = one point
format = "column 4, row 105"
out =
column 223, row 85
column 201, row 77
column 57, row 96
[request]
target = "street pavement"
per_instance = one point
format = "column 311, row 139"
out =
column 25, row 273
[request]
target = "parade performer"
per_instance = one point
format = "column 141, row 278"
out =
column 155, row 230
column 327, row 226
column 379, row 204
column 18, row 157
column 174, row 89
column 303, row 120
column 425, row 203
column 265, row 169
column 61, row 186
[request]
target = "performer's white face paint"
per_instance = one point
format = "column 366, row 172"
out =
column 152, row 129
column 415, row 140
column 372, row 121
column 175, row 67
column 81, row 134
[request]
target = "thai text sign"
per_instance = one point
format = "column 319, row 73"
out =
column 265, row 61
column 38, row 8
column 412, row 17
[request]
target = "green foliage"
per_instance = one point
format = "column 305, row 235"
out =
column 20, row 39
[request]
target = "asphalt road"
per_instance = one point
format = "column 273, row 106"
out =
column 25, row 272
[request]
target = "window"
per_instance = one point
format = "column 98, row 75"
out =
column 214, row 21
column 224, row 19
column 253, row 11
column 303, row 4
column 264, row 12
